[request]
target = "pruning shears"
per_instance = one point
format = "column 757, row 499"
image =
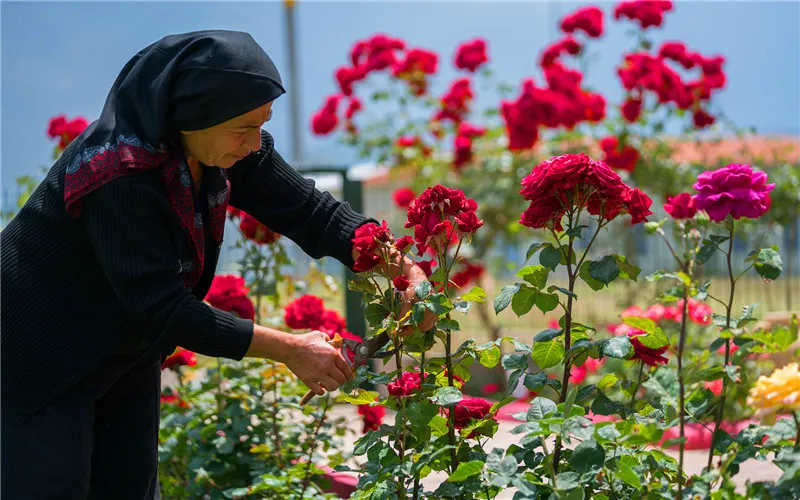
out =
column 357, row 352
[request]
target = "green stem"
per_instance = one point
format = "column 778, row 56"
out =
column 729, row 306
column 681, row 387
column 401, row 444
column 796, row 416
column 567, row 342
column 638, row 383
column 312, row 442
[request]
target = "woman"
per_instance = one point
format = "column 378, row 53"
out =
column 105, row 268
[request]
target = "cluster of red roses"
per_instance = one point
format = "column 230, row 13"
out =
column 562, row 103
column 562, row 183
column 65, row 130
column 440, row 216
column 645, row 12
column 642, row 72
column 251, row 228
column 464, row 411
column 228, row 293
column 586, row 19
column 326, row 119
column 372, row 416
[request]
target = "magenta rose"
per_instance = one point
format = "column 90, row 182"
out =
column 734, row 190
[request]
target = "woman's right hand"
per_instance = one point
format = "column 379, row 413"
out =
column 317, row 363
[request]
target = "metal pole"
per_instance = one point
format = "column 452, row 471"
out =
column 294, row 84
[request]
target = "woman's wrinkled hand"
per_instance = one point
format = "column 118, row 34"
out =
column 317, row 363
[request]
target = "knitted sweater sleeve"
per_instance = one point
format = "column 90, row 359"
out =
column 132, row 228
column 269, row 189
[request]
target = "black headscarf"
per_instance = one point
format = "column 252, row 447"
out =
column 186, row 82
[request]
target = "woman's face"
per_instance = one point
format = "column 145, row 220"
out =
column 224, row 144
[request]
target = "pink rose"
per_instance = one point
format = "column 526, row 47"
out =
column 734, row 190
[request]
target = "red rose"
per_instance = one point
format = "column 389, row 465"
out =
column 403, row 242
column 433, row 213
column 401, row 282
column 172, row 399
column 304, row 312
column 325, row 120
column 553, row 52
column 638, row 205
column 332, row 321
column 678, row 53
column 490, row 389
column 467, row 129
column 347, row 76
column 404, row 385
column 372, row 417
column 252, row 229
column 463, row 151
column 403, row 197
column 715, row 386
column 228, row 293
column 417, row 64
column 181, row 357
column 587, row 19
column 367, row 242
column 619, row 156
column 469, row 273
column 468, row 409
column 680, row 206
column 455, row 102
column 702, row 119
column 648, row 356
column 353, row 106
column 66, row 130
column 645, row 12
column 471, row 55
column 426, row 266
column 632, row 109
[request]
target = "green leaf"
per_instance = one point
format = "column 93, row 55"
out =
column 438, row 304
column 476, row 294
column 566, row 481
column 550, row 257
column 448, row 324
column 420, row 413
column 523, row 300
column 647, row 325
column 608, row 432
column 627, row 271
column 587, row 456
column 466, row 470
column 732, row 371
column 718, row 239
column 533, row 249
column 418, row 312
column 706, row 252
column 361, row 397
column 616, row 347
column 654, row 340
column 535, row 381
column 768, row 264
column 515, row 361
column 546, row 302
column 375, row 313
column 551, row 288
column 587, row 277
column 446, row 396
column 535, row 275
column 663, row 382
column 626, row 474
column 604, row 270
column 423, row 289
column 504, row 299
column 585, row 392
column 540, row 408
column 548, row 354
column 462, row 306
column 604, row 406
column 575, row 232
column 489, row 357
column 438, row 425
column 548, row 334
column 608, row 380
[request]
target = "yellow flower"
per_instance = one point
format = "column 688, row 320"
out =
column 778, row 392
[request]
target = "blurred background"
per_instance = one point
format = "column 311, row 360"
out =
column 62, row 57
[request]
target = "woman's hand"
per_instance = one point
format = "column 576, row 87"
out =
column 318, row 364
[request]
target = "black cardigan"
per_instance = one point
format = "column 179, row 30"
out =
column 73, row 288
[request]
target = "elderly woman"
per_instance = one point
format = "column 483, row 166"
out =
column 105, row 268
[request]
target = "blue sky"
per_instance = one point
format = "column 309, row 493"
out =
column 62, row 57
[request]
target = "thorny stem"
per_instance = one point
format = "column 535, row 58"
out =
column 681, row 388
column 669, row 245
column 728, row 308
column 567, row 341
column 638, row 383
column 401, row 445
column 796, row 415
column 312, row 444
